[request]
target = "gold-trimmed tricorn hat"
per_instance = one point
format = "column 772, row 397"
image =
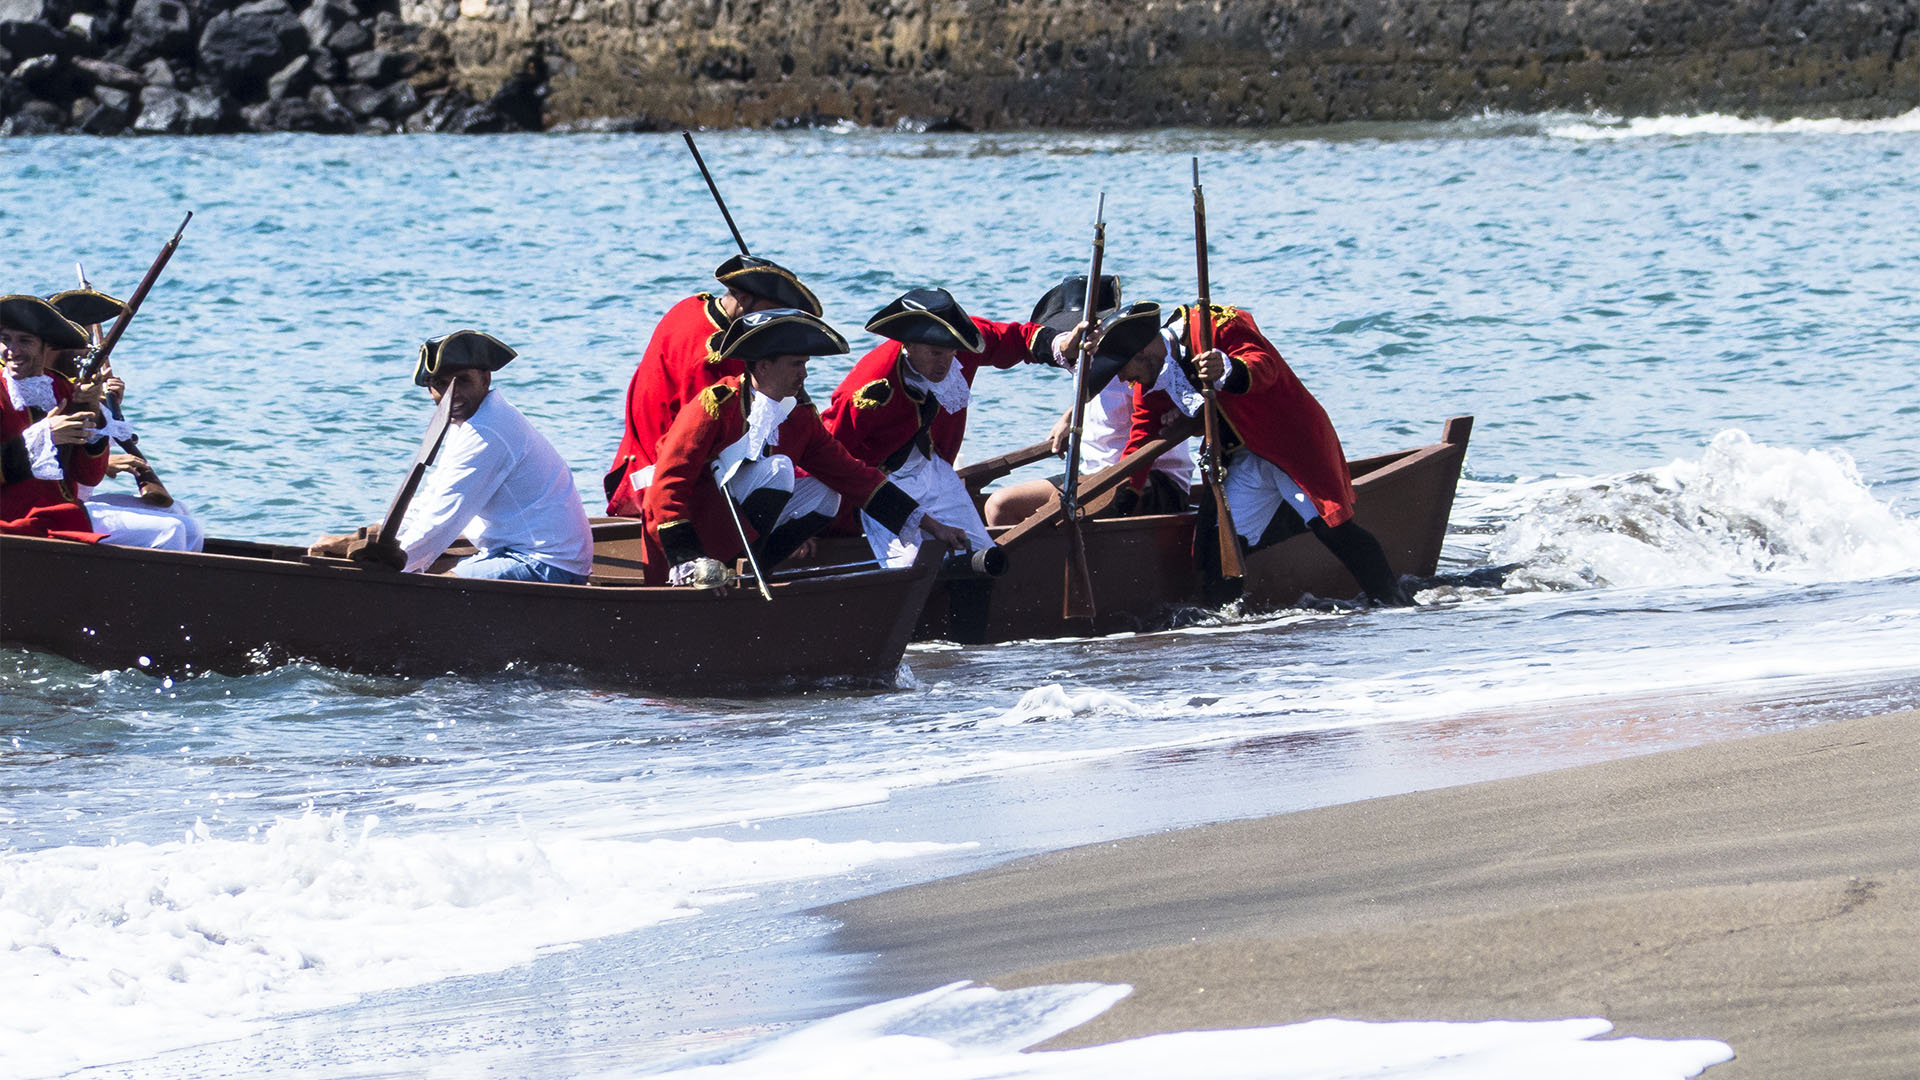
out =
column 1060, row 309
column 768, row 279
column 32, row 315
column 87, row 307
column 779, row 332
column 1125, row 333
column 459, row 351
column 928, row 317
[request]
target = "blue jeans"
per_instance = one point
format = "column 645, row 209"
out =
column 514, row 566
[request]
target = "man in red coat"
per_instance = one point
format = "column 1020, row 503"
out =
column 1285, row 470
column 45, row 455
column 683, row 358
column 903, row 407
column 744, row 439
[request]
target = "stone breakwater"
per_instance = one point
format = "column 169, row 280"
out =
column 491, row 65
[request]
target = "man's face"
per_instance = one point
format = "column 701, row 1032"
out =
column 780, row 377
column 469, row 388
column 1144, row 366
column 738, row 303
column 24, row 354
column 931, row 361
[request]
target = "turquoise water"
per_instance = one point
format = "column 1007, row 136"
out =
column 1691, row 350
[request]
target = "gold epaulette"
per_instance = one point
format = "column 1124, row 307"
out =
column 713, row 346
column 715, row 396
column 873, row 395
column 1223, row 312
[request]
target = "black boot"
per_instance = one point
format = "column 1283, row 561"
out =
column 1361, row 554
column 775, row 546
column 761, row 508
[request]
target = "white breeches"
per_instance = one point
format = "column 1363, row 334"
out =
column 1256, row 488
column 128, row 522
column 810, row 496
column 942, row 496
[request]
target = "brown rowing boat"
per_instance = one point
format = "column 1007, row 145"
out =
column 1142, row 567
column 242, row 606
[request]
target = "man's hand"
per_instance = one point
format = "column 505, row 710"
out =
column 71, row 429
column 954, row 539
column 1067, row 347
column 1210, row 366
column 332, row 546
column 114, row 387
column 90, row 392
column 118, row 464
column 1057, row 438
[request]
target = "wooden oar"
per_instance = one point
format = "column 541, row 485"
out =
column 1230, row 563
column 384, row 549
column 1105, row 480
column 981, row 473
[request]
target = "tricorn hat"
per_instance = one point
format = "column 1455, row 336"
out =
column 1125, row 333
column 766, row 278
column 1061, row 308
column 758, row 335
column 87, row 307
column 459, row 351
column 32, row 315
column 928, row 317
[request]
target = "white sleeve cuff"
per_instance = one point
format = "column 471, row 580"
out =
column 43, row 451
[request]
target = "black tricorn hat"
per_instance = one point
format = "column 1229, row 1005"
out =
column 32, row 315
column 928, row 317
column 1060, row 309
column 87, row 307
column 758, row 335
column 766, row 278
column 459, row 351
column 1125, row 333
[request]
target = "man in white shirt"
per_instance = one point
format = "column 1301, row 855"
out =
column 495, row 479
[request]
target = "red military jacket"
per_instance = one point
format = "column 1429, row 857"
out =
column 879, row 417
column 30, row 506
column 684, row 494
column 680, row 362
column 1265, row 408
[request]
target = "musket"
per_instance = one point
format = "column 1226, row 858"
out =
column 96, row 357
column 718, row 201
column 152, row 491
column 1077, row 597
column 1231, row 565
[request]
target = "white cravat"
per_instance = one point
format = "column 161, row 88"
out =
column 952, row 392
column 764, row 417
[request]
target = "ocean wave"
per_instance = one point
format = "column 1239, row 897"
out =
column 1741, row 511
column 135, row 948
column 1601, row 126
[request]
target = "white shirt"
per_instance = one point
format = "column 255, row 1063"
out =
column 504, row 485
column 1105, row 428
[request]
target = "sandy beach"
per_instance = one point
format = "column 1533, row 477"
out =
column 1764, row 892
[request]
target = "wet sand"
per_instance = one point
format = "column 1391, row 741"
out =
column 1764, row 892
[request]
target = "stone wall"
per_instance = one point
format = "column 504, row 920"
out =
column 1101, row 63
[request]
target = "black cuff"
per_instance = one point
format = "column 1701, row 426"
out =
column 1040, row 349
column 891, row 507
column 1237, row 378
column 681, row 542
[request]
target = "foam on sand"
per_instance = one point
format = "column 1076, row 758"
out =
column 962, row 1032
column 119, row 952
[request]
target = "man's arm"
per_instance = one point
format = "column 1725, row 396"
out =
column 464, row 477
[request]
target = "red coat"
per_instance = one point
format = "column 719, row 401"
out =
column 1265, row 408
column 878, row 416
column 30, row 506
column 684, row 494
column 679, row 363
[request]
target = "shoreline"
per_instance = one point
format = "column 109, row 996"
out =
column 1760, row 891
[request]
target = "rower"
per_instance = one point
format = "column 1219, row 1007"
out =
column 46, row 455
column 127, row 519
column 1167, row 486
column 903, row 407
column 496, row 479
column 683, row 358
column 1285, row 470
column 750, row 434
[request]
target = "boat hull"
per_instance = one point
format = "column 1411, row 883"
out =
column 241, row 607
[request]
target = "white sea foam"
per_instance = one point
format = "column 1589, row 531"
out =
column 1642, row 127
column 1741, row 511
column 963, row 1032
column 1051, row 701
column 118, row 952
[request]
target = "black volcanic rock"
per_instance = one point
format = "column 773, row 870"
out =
column 240, row 50
column 159, row 28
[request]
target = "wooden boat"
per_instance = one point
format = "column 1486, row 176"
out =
column 240, row 606
column 1142, row 567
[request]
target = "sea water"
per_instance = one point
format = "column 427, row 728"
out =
column 1690, row 344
